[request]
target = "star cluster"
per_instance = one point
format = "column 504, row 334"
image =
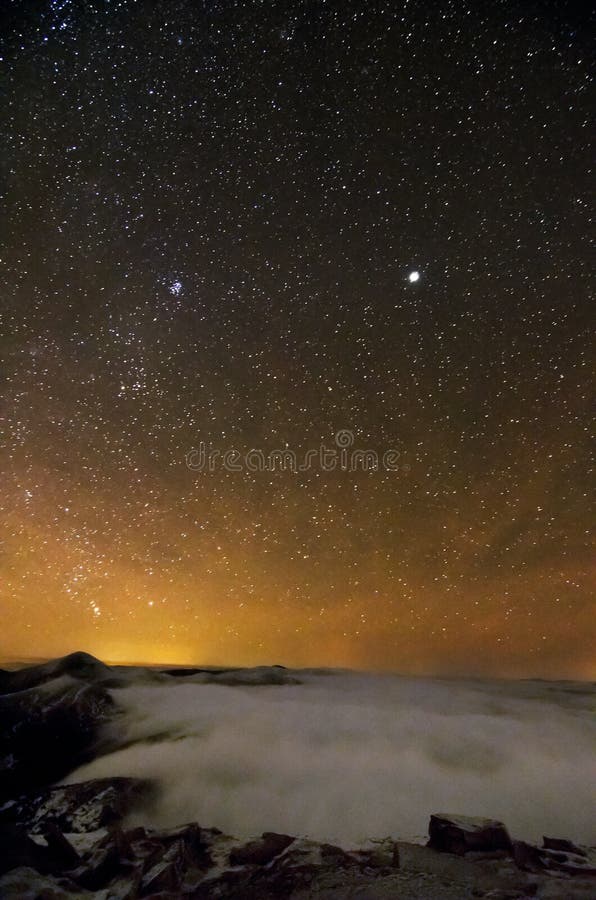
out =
column 253, row 225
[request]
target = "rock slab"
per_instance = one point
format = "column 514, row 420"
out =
column 464, row 834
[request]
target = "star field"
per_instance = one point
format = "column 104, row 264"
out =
column 255, row 225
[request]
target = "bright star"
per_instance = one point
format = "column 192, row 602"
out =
column 413, row 276
column 175, row 288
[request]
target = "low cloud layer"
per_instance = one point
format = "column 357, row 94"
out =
column 346, row 756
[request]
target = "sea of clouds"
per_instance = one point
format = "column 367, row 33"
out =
column 347, row 756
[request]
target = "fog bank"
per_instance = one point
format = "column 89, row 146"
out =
column 345, row 756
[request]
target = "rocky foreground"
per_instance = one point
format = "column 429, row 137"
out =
column 59, row 841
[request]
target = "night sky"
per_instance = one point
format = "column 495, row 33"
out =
column 293, row 226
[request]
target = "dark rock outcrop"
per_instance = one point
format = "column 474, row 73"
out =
column 462, row 834
column 47, row 731
column 466, row 835
column 261, row 852
column 576, row 861
column 77, row 808
column 562, row 845
column 202, row 864
column 187, row 861
column 17, row 848
column 526, row 856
